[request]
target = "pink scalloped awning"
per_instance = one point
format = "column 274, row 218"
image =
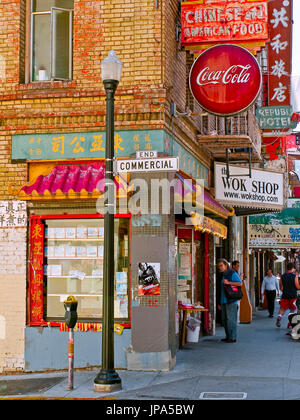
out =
column 70, row 179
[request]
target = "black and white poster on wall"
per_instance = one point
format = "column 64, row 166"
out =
column 149, row 278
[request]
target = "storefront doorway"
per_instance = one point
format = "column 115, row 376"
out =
column 191, row 283
column 220, row 253
column 190, row 265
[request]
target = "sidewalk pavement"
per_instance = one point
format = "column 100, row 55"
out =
column 264, row 365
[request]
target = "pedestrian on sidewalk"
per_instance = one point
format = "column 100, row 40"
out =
column 271, row 286
column 289, row 284
column 229, row 310
column 236, row 267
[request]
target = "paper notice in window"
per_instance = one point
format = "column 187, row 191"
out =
column 70, row 251
column 185, row 261
column 181, row 282
column 121, row 277
column 183, row 288
column 184, row 248
column 117, row 308
column 77, row 274
column 55, row 270
column 186, row 272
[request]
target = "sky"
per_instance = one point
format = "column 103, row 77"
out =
column 296, row 38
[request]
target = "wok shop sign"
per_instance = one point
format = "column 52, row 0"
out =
column 265, row 189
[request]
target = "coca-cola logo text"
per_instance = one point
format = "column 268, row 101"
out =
column 225, row 79
column 235, row 74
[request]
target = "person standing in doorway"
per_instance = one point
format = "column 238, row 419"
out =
column 289, row 284
column 229, row 310
column 271, row 286
column 236, row 267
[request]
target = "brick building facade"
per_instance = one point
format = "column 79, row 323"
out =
column 155, row 72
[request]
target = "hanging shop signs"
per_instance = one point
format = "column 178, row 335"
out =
column 218, row 21
column 225, row 79
column 275, row 117
column 276, row 230
column 274, row 236
column 147, row 165
column 279, row 51
column 279, row 67
column 289, row 216
column 265, row 189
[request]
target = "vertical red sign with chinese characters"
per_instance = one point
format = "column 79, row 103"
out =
column 280, row 51
column 279, row 62
column 36, row 255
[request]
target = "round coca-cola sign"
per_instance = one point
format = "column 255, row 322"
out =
column 225, row 79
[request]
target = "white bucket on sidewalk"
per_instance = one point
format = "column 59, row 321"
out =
column 193, row 330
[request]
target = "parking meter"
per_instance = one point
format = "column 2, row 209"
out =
column 71, row 319
column 71, row 311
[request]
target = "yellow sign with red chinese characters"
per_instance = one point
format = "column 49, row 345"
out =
column 205, row 224
column 90, row 326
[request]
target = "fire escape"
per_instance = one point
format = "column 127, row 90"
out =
column 236, row 138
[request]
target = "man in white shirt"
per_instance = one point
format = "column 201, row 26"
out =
column 271, row 286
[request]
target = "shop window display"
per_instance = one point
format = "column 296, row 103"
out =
column 73, row 265
column 185, row 271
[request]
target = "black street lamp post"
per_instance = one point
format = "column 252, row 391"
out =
column 108, row 379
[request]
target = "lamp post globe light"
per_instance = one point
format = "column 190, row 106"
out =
column 108, row 379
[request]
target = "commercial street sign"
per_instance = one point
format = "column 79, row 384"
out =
column 225, row 79
column 147, row 165
column 218, row 21
column 265, row 189
column 275, row 117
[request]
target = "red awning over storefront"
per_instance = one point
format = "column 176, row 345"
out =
column 70, row 181
column 82, row 181
column 188, row 191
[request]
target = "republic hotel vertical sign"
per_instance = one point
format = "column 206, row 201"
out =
column 223, row 21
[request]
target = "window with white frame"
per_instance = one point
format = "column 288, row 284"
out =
column 51, row 40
